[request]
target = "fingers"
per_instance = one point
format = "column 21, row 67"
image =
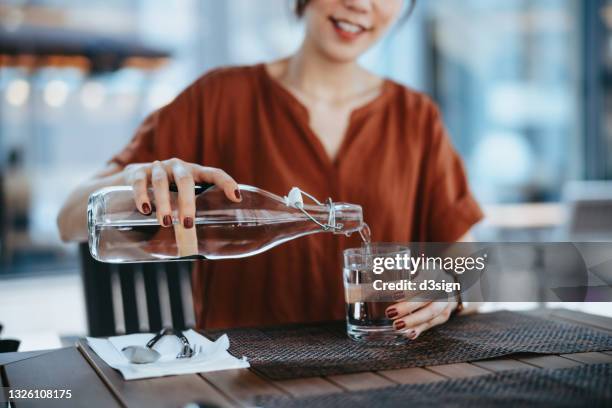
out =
column 432, row 310
column 186, row 194
column 138, row 179
column 402, row 309
column 412, row 334
column 439, row 319
column 159, row 179
column 184, row 175
column 221, row 179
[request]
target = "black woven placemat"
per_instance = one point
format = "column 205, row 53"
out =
column 582, row 386
column 296, row 351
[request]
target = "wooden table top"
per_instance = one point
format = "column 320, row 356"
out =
column 94, row 384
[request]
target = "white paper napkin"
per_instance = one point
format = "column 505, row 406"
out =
column 212, row 357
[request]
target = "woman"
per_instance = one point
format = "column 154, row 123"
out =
column 316, row 120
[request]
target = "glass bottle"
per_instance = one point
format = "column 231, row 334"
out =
column 119, row 233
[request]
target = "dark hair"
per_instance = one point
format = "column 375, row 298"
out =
column 300, row 7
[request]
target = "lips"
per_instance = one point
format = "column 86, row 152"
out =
column 346, row 29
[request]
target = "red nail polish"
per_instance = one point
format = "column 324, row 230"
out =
column 391, row 313
column 188, row 222
column 399, row 325
column 412, row 335
column 167, row 220
column 146, row 208
column 237, row 194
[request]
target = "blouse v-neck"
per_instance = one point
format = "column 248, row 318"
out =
column 302, row 113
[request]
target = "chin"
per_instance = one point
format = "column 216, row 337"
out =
column 342, row 53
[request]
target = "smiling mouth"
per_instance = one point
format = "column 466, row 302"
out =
column 348, row 28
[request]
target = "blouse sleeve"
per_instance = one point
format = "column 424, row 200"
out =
column 172, row 131
column 451, row 209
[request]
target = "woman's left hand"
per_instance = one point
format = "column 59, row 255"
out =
column 413, row 318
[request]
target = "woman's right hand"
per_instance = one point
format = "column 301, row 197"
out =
column 160, row 174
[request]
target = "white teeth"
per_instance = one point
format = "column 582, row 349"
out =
column 348, row 27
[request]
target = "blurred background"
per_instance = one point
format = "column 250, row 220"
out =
column 525, row 87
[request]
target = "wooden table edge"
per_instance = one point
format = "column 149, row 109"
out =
column 81, row 347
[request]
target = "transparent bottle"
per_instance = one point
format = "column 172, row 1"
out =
column 119, row 233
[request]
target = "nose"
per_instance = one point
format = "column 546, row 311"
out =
column 361, row 6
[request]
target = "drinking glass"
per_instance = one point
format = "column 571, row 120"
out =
column 365, row 305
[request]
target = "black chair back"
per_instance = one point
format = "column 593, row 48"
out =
column 133, row 298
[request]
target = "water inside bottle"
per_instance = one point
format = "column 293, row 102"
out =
column 223, row 234
column 127, row 241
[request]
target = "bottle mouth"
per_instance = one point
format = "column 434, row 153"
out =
column 350, row 215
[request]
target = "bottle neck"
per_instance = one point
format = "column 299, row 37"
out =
column 339, row 218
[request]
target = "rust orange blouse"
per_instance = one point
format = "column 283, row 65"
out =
column 395, row 160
